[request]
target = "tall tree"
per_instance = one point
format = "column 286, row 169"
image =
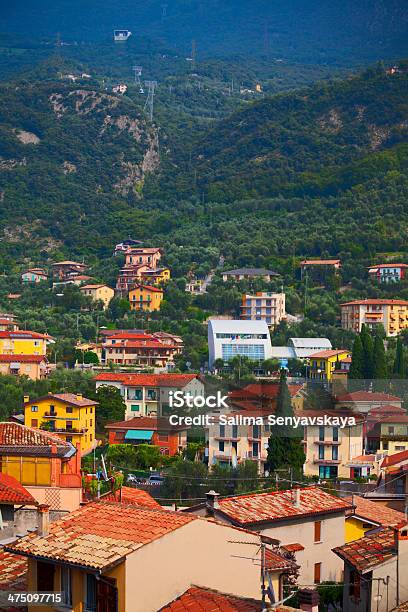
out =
column 379, row 364
column 399, row 364
column 285, row 447
column 357, row 358
column 368, row 351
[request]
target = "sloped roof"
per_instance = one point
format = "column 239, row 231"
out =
column 199, row 599
column 101, row 534
column 251, row 272
column 320, row 262
column 370, row 551
column 375, row 512
column 145, row 422
column 148, row 380
column 280, row 505
column 378, row 302
column 12, row 492
column 27, row 440
column 130, row 495
column 13, row 572
column 67, row 398
column 367, row 396
column 395, row 459
column 310, row 342
column 22, row 358
column 327, row 354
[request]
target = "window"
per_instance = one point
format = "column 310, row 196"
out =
column 90, row 594
column 69, row 425
column 335, row 434
column 321, row 451
column 255, row 431
column 45, row 576
column 66, row 585
column 235, row 431
column 68, row 438
column 135, row 408
column 163, row 437
column 222, row 431
column 318, row 531
column 321, row 434
column 69, row 410
column 34, row 422
column 221, row 446
column 390, row 430
column 317, row 572
column 335, row 453
column 255, row 449
column 34, row 408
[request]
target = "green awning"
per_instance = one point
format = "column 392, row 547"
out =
column 139, row 434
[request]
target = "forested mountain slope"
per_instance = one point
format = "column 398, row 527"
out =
column 338, row 31
column 319, row 141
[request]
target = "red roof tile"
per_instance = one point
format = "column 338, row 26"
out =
column 277, row 562
column 12, row 492
column 372, row 550
column 390, row 265
column 22, row 358
column 260, row 390
column 21, row 333
column 367, row 396
column 148, row 380
column 101, row 533
column 148, row 288
column 375, row 512
column 320, row 262
column 326, row 354
column 14, row 434
column 296, row 547
column 151, row 423
column 130, row 495
column 395, row 459
column 376, row 302
column 280, row 505
column 13, row 572
column 67, row 398
column 198, row 599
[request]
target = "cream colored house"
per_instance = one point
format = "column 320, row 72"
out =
column 305, row 521
column 135, row 558
column 329, row 450
column 98, row 293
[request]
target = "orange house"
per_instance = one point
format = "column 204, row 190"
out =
column 145, row 297
column 149, row 430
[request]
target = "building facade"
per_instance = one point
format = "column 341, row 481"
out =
column 391, row 314
column 249, row 274
column 146, row 298
column 35, row 367
column 140, row 349
column 34, row 275
column 71, row 416
column 98, row 293
column 323, row 364
column 149, row 430
column 264, row 306
column 230, row 338
column 388, row 273
column 148, row 394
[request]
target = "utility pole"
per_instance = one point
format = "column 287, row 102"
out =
column 149, row 105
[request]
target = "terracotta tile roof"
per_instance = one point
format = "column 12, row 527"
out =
column 101, row 533
column 386, row 409
column 279, row 505
column 98, row 286
column 326, row 354
column 296, row 547
column 367, row 396
column 130, row 495
column 397, row 419
column 375, row 512
column 320, row 262
column 259, row 390
column 198, row 599
column 12, row 492
column 395, row 459
column 13, row 571
column 276, row 562
column 377, row 302
column 148, row 380
column 372, row 550
column 69, row 263
column 14, row 434
column 67, row 398
column 148, row 288
column 151, row 423
column 389, row 265
column 22, row 334
column 22, row 358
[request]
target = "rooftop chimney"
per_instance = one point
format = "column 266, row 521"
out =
column 309, row 600
column 296, row 501
column 79, row 397
column 212, row 501
column 26, row 399
column 43, row 512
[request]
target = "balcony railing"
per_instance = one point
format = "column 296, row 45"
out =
column 70, row 430
column 327, row 460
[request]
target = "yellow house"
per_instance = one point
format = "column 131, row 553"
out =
column 368, row 515
column 145, row 297
column 324, row 363
column 97, row 293
column 71, row 416
column 107, row 556
column 156, row 277
column 394, row 434
column 22, row 342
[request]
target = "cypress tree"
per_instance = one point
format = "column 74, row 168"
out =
column 368, row 351
column 356, row 367
column 285, row 447
column 379, row 364
column 399, row 365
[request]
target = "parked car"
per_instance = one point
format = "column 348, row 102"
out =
column 155, row 480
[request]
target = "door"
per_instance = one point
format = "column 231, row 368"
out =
column 106, row 595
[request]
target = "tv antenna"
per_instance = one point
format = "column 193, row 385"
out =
column 138, row 73
column 149, row 104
